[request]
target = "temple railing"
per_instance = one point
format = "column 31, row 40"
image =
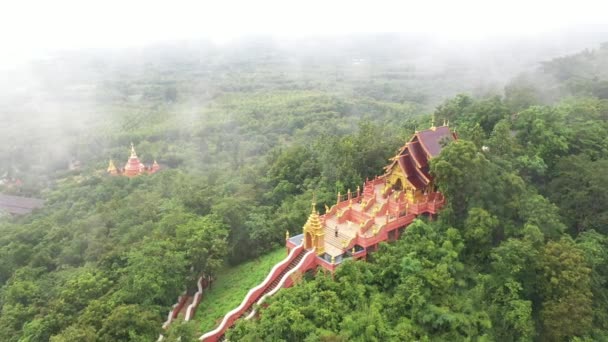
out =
column 370, row 203
column 386, row 192
column 383, row 207
column 307, row 262
column 251, row 297
column 366, row 226
column 336, row 207
column 202, row 284
column 177, row 307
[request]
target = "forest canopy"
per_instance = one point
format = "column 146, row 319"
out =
column 517, row 254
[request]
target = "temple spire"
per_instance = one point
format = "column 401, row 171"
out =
column 133, row 154
column 313, row 230
column 433, row 122
column 133, row 167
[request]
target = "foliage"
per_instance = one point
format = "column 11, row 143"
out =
column 518, row 250
column 500, row 263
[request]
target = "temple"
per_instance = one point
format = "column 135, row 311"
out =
column 133, row 167
column 356, row 224
column 382, row 208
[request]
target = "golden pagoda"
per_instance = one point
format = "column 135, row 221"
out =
column 133, row 167
column 112, row 168
column 314, row 233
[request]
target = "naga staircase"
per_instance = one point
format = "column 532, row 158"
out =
column 298, row 260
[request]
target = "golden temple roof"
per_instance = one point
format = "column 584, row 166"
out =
column 314, row 221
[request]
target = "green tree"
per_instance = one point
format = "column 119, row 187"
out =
column 204, row 242
column 593, row 245
column 182, row 331
column 75, row 333
column 154, row 273
column 130, row 323
column 478, row 231
column 579, row 191
column 565, row 290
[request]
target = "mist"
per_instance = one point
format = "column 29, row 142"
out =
column 84, row 105
column 150, row 148
column 81, row 82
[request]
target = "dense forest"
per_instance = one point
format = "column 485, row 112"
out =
column 518, row 254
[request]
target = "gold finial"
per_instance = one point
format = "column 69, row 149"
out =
column 433, row 122
column 133, row 151
column 333, row 259
column 444, row 122
column 287, row 235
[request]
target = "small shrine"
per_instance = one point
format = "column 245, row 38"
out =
column 133, row 167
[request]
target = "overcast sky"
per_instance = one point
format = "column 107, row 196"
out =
column 28, row 28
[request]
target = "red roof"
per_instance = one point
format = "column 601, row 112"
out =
column 431, row 139
column 414, row 156
column 409, row 168
column 417, row 153
column 18, row 205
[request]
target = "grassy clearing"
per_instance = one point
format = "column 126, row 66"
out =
column 231, row 286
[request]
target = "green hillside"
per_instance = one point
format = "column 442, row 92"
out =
column 245, row 137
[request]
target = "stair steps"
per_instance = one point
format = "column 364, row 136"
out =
column 276, row 281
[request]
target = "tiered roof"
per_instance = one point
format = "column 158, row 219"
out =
column 413, row 157
column 314, row 220
column 134, row 167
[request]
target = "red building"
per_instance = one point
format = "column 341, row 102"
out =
column 133, row 167
column 382, row 209
column 356, row 224
column 18, row 205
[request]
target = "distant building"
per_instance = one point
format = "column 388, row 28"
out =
column 17, row 205
column 133, row 167
column 10, row 183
